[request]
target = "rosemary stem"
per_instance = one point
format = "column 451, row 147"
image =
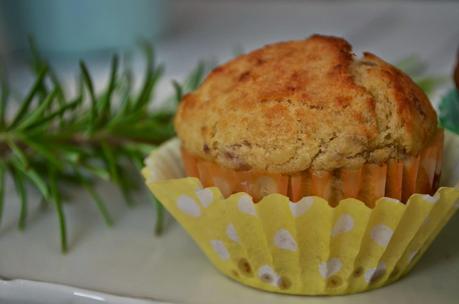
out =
column 77, row 139
column 159, row 217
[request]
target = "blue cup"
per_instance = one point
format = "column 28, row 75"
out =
column 79, row 26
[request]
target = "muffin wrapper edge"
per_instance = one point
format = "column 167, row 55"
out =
column 306, row 247
column 396, row 178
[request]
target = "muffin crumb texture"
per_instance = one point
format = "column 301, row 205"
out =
column 312, row 103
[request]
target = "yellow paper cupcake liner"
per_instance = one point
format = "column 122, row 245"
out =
column 307, row 247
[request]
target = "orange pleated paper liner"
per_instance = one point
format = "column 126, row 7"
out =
column 397, row 179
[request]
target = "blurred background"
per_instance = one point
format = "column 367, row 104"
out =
column 186, row 31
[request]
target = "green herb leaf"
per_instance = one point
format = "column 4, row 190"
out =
column 429, row 84
column 196, row 77
column 57, row 201
column 37, row 61
column 18, row 153
column 38, row 112
column 41, row 148
column 178, row 91
column 97, row 199
column 89, row 84
column 28, row 100
column 37, row 180
column 159, row 216
column 57, row 86
column 53, row 115
column 110, row 161
column 22, row 193
column 449, row 111
column 101, row 173
column 148, row 88
column 105, row 105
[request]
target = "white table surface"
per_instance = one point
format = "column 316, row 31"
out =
column 127, row 260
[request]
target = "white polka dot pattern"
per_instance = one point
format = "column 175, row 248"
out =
column 284, row 240
column 246, row 205
column 381, row 234
column 300, row 207
column 231, row 233
column 344, row 224
column 373, row 274
column 329, row 268
column 220, row 248
column 268, row 275
column 205, row 197
column 187, row 205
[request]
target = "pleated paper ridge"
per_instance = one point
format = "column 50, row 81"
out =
column 307, row 247
column 395, row 178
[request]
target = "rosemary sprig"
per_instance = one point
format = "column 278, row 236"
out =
column 52, row 138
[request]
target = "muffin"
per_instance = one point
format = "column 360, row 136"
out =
column 307, row 117
column 310, row 171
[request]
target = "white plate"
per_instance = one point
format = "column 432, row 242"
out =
column 25, row 291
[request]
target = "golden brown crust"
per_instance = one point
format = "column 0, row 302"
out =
column 294, row 105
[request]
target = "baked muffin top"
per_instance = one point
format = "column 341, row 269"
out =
column 311, row 103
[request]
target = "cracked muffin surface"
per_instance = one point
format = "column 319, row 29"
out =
column 311, row 103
